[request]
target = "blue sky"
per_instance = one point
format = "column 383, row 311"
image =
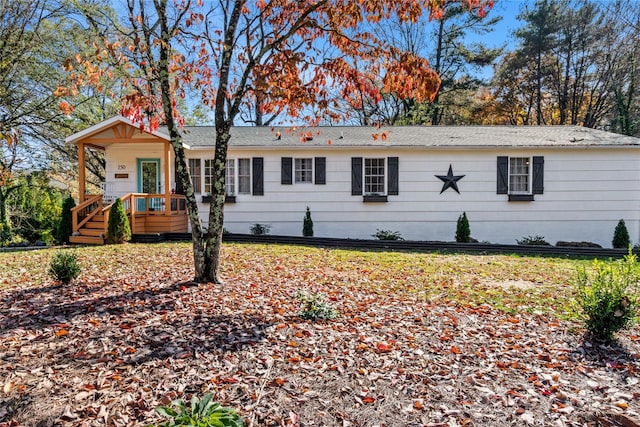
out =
column 509, row 10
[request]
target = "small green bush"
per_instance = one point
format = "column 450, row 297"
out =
column 608, row 296
column 202, row 413
column 315, row 307
column 64, row 267
column 118, row 228
column 533, row 241
column 387, row 235
column 65, row 226
column 463, row 232
column 307, row 224
column 621, row 236
column 260, row 229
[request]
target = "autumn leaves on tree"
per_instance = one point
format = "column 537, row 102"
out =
column 283, row 55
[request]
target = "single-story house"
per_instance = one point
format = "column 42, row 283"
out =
column 560, row 182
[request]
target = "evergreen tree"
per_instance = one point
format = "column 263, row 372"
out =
column 65, row 226
column 463, row 232
column 118, row 229
column 621, row 236
column 307, row 225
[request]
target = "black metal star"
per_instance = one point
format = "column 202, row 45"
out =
column 450, row 181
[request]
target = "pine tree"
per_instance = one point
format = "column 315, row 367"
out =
column 463, row 232
column 307, row 225
column 621, row 236
column 118, row 229
column 65, row 226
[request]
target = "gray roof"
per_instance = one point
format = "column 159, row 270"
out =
column 201, row 137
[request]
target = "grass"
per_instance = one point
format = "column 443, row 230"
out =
column 509, row 283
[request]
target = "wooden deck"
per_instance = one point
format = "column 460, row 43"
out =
column 146, row 213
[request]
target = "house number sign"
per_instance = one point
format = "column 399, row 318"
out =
column 122, row 167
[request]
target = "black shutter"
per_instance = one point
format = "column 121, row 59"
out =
column 503, row 175
column 356, row 176
column 538, row 175
column 286, row 173
column 392, row 178
column 257, row 164
column 320, row 170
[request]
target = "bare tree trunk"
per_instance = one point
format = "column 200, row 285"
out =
column 436, row 114
column 182, row 170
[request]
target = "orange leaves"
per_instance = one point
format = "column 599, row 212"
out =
column 384, row 347
column 65, row 107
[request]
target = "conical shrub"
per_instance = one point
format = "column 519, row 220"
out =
column 118, row 229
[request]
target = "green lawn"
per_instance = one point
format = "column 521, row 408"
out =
column 506, row 282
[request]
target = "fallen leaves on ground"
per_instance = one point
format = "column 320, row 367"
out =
column 421, row 340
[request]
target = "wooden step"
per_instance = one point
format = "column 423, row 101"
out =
column 86, row 240
column 95, row 232
column 94, row 224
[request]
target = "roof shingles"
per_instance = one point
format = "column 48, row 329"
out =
column 202, row 137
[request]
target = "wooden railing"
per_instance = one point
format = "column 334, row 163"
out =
column 144, row 204
column 86, row 210
column 135, row 204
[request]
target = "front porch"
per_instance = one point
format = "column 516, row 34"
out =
column 138, row 170
column 147, row 214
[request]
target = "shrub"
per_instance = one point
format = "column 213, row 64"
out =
column 608, row 296
column 315, row 306
column 65, row 226
column 260, row 229
column 202, row 413
column 118, row 229
column 64, row 267
column 533, row 241
column 621, row 236
column 307, row 224
column 463, row 232
column 387, row 235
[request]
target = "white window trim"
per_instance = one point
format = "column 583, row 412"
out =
column 364, row 176
column 295, row 180
column 237, row 176
column 198, row 190
column 529, row 176
column 234, row 178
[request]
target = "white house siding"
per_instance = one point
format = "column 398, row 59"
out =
column 586, row 192
column 123, row 159
column 591, row 180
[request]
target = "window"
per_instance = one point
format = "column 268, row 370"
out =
column 374, row 176
column 244, row 176
column 230, row 177
column 303, row 170
column 519, row 175
column 195, row 173
column 310, row 170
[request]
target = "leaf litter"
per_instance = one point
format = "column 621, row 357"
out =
column 421, row 340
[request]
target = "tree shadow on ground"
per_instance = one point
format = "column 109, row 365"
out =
column 41, row 307
column 133, row 328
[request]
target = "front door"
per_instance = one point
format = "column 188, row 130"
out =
column 148, row 180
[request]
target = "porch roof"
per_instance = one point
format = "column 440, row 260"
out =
column 117, row 129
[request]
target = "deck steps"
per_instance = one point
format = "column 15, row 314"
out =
column 86, row 240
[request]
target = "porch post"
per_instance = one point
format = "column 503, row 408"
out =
column 81, row 173
column 167, row 180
